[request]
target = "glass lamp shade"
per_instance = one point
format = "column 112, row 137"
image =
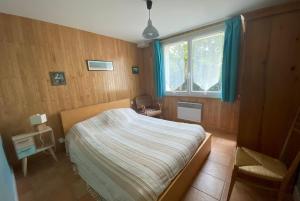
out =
column 150, row 32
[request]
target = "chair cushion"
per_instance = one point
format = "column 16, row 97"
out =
column 259, row 165
column 152, row 112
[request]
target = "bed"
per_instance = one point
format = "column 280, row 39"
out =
column 123, row 155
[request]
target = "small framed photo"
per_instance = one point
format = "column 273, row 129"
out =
column 96, row 65
column 135, row 70
column 57, row 78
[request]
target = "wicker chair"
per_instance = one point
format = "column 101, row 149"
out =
column 144, row 105
column 262, row 170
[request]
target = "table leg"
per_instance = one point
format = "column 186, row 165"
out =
column 52, row 153
column 24, row 166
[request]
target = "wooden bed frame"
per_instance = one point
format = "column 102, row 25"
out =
column 181, row 183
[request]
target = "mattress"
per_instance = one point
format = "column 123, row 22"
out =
column 125, row 156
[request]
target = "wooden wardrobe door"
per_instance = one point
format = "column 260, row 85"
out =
column 252, row 91
column 281, row 82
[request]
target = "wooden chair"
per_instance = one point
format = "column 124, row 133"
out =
column 262, row 170
column 144, row 105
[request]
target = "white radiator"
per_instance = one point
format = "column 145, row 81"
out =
column 189, row 111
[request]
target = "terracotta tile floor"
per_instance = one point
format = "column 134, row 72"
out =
column 55, row 181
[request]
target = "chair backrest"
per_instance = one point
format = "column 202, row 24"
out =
column 291, row 170
column 145, row 100
column 290, row 148
column 293, row 148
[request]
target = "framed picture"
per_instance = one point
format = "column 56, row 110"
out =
column 135, row 69
column 57, row 78
column 95, row 65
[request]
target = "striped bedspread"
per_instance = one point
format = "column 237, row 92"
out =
column 125, row 156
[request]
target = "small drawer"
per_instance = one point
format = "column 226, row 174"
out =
column 25, row 142
column 25, row 151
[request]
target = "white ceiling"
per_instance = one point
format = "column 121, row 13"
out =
column 126, row 19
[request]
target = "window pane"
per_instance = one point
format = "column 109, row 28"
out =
column 207, row 55
column 176, row 66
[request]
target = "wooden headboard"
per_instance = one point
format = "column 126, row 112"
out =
column 71, row 117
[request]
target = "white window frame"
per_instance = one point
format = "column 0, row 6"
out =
column 189, row 37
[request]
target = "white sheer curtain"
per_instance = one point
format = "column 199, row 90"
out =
column 207, row 53
column 175, row 56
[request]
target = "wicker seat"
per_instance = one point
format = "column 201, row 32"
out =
column 256, row 164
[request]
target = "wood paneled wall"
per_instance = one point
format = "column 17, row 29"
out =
column 147, row 72
column 216, row 115
column 30, row 49
column 270, row 88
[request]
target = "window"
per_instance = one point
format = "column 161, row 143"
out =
column 176, row 58
column 193, row 64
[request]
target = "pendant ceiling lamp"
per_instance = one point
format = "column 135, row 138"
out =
column 150, row 32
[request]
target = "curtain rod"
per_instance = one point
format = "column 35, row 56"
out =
column 217, row 22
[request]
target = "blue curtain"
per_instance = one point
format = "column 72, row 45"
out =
column 8, row 190
column 231, row 55
column 159, row 68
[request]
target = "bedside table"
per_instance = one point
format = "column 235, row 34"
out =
column 32, row 143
